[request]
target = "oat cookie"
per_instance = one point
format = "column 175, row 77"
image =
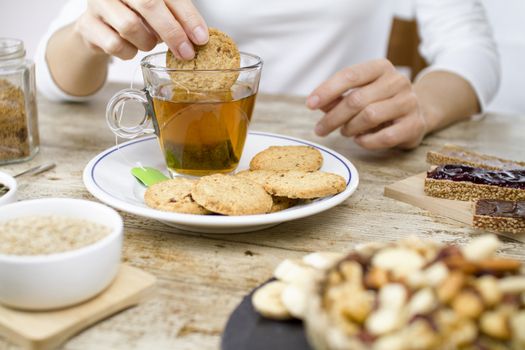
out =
column 173, row 195
column 231, row 195
column 220, row 52
column 304, row 184
column 258, row 176
column 282, row 203
column 288, row 158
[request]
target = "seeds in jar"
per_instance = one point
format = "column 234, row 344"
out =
column 14, row 142
column 42, row 235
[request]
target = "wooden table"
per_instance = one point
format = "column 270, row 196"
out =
column 201, row 278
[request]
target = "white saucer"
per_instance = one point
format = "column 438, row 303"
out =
column 108, row 177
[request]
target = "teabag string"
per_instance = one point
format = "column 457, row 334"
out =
column 121, row 114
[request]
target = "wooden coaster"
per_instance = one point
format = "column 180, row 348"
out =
column 48, row 329
column 411, row 191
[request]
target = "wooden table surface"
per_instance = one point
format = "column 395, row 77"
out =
column 201, row 278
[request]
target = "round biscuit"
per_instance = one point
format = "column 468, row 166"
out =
column 173, row 195
column 258, row 176
column 220, row 53
column 279, row 158
column 304, row 184
column 282, row 203
column 231, row 195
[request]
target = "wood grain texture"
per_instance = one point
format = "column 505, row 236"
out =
column 44, row 330
column 201, row 278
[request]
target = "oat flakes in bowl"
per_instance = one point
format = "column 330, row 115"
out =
column 66, row 251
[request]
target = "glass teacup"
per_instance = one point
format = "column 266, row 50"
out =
column 201, row 121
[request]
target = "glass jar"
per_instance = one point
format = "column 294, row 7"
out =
column 19, row 138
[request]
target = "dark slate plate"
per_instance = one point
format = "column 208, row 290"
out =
column 246, row 329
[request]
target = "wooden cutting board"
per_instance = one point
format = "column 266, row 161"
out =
column 48, row 329
column 411, row 191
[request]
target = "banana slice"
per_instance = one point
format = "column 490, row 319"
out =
column 268, row 302
column 294, row 271
column 294, row 299
column 322, row 260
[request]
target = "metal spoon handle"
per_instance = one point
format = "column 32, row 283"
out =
column 36, row 170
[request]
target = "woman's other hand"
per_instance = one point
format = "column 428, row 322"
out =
column 122, row 27
column 373, row 103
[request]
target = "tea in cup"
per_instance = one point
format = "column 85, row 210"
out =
column 200, row 131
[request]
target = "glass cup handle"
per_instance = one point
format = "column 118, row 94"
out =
column 113, row 114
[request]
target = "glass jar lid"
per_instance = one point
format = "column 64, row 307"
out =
column 11, row 49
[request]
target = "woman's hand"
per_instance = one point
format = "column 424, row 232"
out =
column 373, row 103
column 122, row 27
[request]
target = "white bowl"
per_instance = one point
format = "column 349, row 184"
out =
column 42, row 282
column 10, row 182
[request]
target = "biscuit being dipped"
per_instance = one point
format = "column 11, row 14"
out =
column 220, row 53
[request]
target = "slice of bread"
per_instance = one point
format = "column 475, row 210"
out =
column 500, row 216
column 452, row 154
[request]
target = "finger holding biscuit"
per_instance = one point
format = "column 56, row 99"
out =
column 122, row 27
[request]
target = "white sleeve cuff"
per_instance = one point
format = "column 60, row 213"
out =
column 477, row 68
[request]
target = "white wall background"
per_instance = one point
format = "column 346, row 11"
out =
column 28, row 19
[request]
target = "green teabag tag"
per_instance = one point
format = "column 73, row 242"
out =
column 148, row 176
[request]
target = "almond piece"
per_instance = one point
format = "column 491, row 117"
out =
column 384, row 321
column 450, row 286
column 423, row 302
column 352, row 273
column 369, row 249
column 435, row 274
column 322, row 260
column 480, row 248
column 517, row 325
column 495, row 324
column 488, row 288
column 465, row 333
column 401, row 261
column 512, row 284
column 498, row 265
column 358, row 307
column 376, row 278
column 421, row 335
column 392, row 296
column 467, row 304
column 396, row 341
column 457, row 262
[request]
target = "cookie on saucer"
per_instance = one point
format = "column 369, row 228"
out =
column 231, row 195
column 258, row 176
column 173, row 195
column 277, row 158
column 282, row 203
column 304, row 184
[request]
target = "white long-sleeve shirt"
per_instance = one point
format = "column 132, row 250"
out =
column 304, row 42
